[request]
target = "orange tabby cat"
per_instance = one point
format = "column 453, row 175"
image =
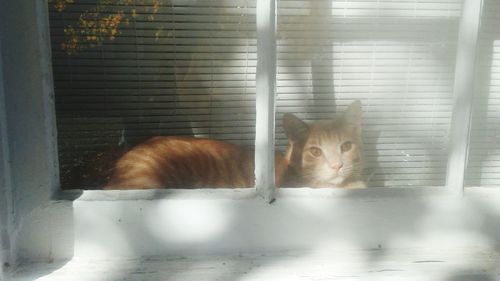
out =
column 327, row 153
column 323, row 154
column 180, row 162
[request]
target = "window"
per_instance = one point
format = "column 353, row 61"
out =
column 164, row 68
column 190, row 68
column 398, row 59
column 74, row 227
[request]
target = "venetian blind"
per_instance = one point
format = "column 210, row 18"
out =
column 397, row 57
column 483, row 164
column 182, row 67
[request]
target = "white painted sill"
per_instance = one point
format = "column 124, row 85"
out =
column 372, row 193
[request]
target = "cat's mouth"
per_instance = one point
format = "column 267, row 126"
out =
column 335, row 181
column 327, row 179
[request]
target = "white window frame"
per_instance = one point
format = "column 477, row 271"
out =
column 266, row 18
column 463, row 93
column 41, row 187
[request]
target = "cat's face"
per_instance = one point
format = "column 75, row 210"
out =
column 328, row 153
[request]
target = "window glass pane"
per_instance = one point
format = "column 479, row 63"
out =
column 397, row 58
column 484, row 151
column 129, row 70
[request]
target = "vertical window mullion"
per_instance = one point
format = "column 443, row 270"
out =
column 265, row 86
column 463, row 94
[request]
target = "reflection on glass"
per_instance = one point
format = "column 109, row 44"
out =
column 396, row 57
column 127, row 74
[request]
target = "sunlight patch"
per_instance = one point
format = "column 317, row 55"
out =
column 189, row 221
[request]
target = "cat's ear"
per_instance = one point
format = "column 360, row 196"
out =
column 295, row 129
column 352, row 115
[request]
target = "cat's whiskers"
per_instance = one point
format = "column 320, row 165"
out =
column 350, row 169
column 346, row 172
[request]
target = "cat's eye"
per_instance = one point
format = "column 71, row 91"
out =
column 316, row 152
column 346, row 146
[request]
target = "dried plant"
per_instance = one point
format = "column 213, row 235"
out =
column 102, row 22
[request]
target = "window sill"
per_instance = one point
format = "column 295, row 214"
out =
column 250, row 193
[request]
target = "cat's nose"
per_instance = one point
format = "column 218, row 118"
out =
column 337, row 165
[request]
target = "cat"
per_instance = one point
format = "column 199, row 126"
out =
column 187, row 162
column 326, row 153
